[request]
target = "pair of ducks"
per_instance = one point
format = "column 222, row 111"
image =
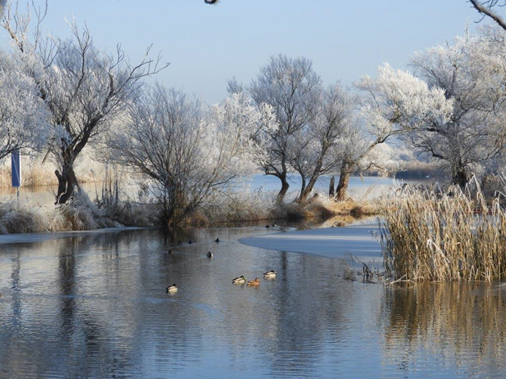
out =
column 209, row 255
column 273, row 225
column 254, row 283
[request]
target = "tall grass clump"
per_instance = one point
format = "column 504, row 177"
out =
column 430, row 235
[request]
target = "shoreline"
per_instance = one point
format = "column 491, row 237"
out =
column 40, row 237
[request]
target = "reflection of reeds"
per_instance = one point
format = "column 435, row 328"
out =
column 431, row 236
column 455, row 318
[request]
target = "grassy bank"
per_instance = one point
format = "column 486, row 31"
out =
column 108, row 211
column 259, row 206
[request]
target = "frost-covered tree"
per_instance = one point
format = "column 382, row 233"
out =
column 387, row 108
column 472, row 74
column 23, row 115
column 453, row 110
column 311, row 149
column 84, row 89
column 290, row 87
column 189, row 154
column 426, row 113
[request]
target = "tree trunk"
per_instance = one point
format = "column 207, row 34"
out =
column 344, row 180
column 332, row 187
column 284, row 188
column 307, row 189
column 66, row 182
column 460, row 177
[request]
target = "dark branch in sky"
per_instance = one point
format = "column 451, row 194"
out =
column 485, row 8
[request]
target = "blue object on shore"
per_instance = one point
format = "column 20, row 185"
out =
column 16, row 168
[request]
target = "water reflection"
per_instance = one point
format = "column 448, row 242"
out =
column 461, row 324
column 95, row 306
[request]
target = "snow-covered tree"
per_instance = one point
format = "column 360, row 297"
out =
column 471, row 72
column 398, row 103
column 84, row 89
column 23, row 116
column 311, row 151
column 454, row 108
column 188, row 153
column 290, row 87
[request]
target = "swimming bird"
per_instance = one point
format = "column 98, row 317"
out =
column 172, row 288
column 190, row 242
column 217, row 240
column 254, row 283
column 210, row 255
column 270, row 274
column 239, row 280
column 170, row 251
column 267, row 226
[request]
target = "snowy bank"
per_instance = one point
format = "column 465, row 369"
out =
column 359, row 240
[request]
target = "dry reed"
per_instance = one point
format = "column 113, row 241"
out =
column 428, row 235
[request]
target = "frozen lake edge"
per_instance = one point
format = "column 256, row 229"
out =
column 337, row 242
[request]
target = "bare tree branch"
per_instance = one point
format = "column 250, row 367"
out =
column 485, row 9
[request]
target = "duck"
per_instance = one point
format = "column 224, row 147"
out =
column 189, row 242
column 210, row 255
column 254, row 283
column 274, row 225
column 172, row 288
column 170, row 251
column 267, row 226
column 270, row 274
column 239, row 280
column 217, row 240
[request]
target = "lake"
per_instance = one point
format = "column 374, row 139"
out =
column 94, row 305
column 366, row 187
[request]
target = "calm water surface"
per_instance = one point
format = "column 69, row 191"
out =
column 367, row 187
column 95, row 306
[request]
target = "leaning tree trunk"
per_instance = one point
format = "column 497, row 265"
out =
column 66, row 182
column 344, row 181
column 332, row 187
column 307, row 189
column 284, row 188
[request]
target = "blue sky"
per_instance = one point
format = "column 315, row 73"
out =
column 207, row 45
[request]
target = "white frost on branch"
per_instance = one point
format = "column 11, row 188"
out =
column 23, row 115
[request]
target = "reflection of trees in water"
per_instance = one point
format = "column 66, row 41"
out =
column 450, row 320
column 106, row 312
